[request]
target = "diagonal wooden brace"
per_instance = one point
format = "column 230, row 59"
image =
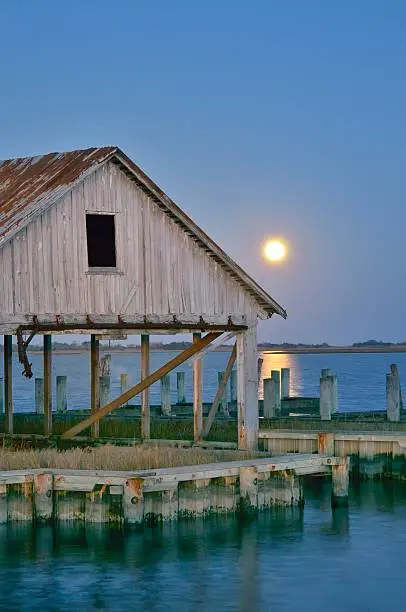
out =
column 139, row 387
column 220, row 392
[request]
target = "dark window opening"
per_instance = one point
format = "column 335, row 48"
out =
column 101, row 241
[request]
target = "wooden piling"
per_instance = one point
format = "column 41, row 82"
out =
column 1, row 396
column 268, row 394
column 39, row 395
column 61, row 393
column 145, row 410
column 285, row 383
column 8, row 385
column 94, row 381
column 166, row 407
column 247, row 395
column 233, row 386
column 104, row 383
column 123, row 383
column 326, row 394
column 248, row 490
column 43, row 496
column 47, row 384
column 223, row 406
column 276, row 392
column 340, row 480
column 392, row 398
column 197, row 395
column 180, row 385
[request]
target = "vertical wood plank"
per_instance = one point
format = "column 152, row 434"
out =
column 247, row 389
column 94, row 381
column 8, row 384
column 47, row 384
column 197, row 395
column 145, row 412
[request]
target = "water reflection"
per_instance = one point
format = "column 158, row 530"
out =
column 272, row 562
column 277, row 361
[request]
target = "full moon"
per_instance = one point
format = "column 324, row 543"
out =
column 274, row 250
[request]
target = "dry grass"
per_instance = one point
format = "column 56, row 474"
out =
column 115, row 458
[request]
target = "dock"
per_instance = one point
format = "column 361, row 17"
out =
column 155, row 496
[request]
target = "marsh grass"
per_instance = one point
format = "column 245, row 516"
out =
column 175, row 429
column 109, row 457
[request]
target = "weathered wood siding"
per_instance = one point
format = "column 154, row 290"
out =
column 161, row 270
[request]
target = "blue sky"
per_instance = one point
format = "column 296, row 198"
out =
column 258, row 118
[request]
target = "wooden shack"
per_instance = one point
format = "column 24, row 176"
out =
column 89, row 243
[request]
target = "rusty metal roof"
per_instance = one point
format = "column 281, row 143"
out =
column 29, row 185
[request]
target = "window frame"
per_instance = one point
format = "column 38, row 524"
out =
column 103, row 270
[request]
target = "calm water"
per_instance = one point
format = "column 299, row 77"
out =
column 289, row 561
column 361, row 376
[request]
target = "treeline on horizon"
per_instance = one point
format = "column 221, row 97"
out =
column 185, row 344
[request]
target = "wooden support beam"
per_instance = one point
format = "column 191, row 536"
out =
column 48, row 385
column 8, row 384
column 145, row 412
column 139, row 387
column 220, row 392
column 197, row 394
column 247, row 389
column 94, row 382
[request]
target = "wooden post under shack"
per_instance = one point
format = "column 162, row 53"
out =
column 197, row 395
column 94, row 382
column 8, row 385
column 145, row 410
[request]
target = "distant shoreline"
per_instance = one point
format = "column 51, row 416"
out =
column 277, row 350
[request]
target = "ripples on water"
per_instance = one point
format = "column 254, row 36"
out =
column 285, row 561
column 361, row 376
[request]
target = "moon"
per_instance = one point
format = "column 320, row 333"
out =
column 274, row 250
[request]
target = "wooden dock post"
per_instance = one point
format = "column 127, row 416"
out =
column 223, row 406
column 197, row 395
column 392, row 398
column 247, row 394
column 104, row 390
column 1, row 396
column 180, row 385
column 340, row 478
column 145, row 411
column 334, row 395
column 123, row 383
column 233, row 386
column 166, row 395
column 326, row 396
column 275, row 392
column 8, row 385
column 285, row 383
column 61, row 393
column 94, row 381
column 268, row 394
column 326, row 372
column 39, row 395
column 47, row 384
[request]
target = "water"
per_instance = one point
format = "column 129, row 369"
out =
column 361, row 376
column 288, row 561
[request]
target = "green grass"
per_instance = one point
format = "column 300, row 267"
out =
column 176, row 429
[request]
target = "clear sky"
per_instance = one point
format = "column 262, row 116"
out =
column 258, row 118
